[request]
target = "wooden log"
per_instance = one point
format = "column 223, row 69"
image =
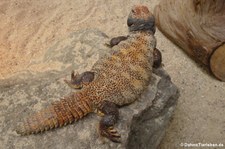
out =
column 217, row 62
column 198, row 27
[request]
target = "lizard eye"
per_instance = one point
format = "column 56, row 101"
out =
column 133, row 11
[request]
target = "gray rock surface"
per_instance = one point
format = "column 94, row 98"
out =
column 141, row 124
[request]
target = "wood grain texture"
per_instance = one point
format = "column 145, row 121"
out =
column 197, row 26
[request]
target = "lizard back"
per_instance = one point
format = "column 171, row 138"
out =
column 122, row 76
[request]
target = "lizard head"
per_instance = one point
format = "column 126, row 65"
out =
column 141, row 19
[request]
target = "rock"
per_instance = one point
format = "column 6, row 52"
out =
column 141, row 124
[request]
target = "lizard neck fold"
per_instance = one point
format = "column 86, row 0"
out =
column 143, row 38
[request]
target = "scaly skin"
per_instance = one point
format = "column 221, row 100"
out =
column 115, row 80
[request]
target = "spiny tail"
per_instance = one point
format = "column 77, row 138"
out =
column 60, row 113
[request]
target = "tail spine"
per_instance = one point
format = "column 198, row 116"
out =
column 58, row 114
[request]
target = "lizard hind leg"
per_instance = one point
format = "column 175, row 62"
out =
column 80, row 80
column 106, row 125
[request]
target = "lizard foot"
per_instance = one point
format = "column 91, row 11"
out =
column 80, row 80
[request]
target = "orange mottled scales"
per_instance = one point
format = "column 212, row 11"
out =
column 121, row 77
column 115, row 80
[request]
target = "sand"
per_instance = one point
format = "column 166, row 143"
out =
column 29, row 28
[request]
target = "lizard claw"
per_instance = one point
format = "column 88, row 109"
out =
column 99, row 113
column 111, row 134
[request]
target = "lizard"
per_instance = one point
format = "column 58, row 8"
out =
column 115, row 80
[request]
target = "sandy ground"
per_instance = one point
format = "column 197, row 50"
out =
column 28, row 28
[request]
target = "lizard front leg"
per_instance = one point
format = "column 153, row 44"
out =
column 78, row 81
column 157, row 58
column 116, row 40
column 106, row 125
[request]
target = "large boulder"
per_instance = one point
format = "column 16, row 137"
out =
column 141, row 124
